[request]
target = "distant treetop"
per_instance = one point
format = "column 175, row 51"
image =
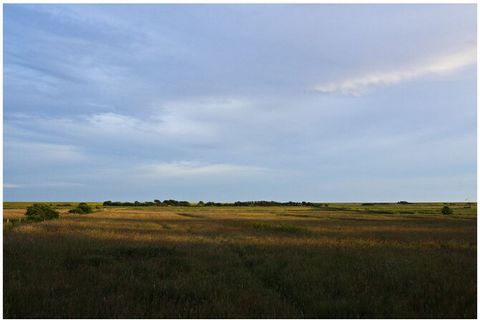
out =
column 172, row 202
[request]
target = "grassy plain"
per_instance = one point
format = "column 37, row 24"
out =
column 340, row 261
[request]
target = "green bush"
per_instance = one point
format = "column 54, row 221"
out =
column 447, row 210
column 41, row 212
column 82, row 208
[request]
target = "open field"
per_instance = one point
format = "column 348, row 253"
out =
column 344, row 260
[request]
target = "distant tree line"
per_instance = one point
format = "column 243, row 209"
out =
column 263, row 203
column 211, row 204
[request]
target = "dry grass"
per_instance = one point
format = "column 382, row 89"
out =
column 275, row 262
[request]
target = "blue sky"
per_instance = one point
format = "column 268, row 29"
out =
column 240, row 102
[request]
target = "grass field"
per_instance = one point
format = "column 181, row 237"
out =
column 340, row 261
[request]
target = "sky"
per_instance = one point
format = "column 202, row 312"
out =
column 327, row 103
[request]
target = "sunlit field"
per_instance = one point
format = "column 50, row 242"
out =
column 340, row 261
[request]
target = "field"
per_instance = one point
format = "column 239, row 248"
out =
column 340, row 261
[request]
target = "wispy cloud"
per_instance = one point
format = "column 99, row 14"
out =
column 52, row 184
column 196, row 169
column 206, row 120
column 11, row 186
column 360, row 84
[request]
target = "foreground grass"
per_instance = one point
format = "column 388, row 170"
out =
column 245, row 262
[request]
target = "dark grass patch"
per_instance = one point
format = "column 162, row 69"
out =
column 277, row 227
column 375, row 211
column 72, row 263
column 191, row 215
column 298, row 216
column 108, row 256
column 140, row 252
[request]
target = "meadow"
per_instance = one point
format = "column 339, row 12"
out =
column 341, row 261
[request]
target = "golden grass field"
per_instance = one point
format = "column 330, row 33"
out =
column 344, row 261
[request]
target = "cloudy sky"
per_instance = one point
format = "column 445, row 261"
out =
column 240, row 102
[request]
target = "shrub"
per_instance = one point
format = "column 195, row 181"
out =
column 82, row 208
column 41, row 212
column 447, row 210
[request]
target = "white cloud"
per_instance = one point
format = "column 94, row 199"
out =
column 196, row 169
column 171, row 124
column 439, row 65
column 207, row 120
column 52, row 184
column 11, row 186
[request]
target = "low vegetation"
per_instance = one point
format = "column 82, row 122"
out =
column 341, row 261
column 82, row 208
column 446, row 210
column 41, row 212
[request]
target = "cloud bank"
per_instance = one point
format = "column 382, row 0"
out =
column 141, row 102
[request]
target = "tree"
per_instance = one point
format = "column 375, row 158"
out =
column 41, row 212
column 447, row 210
column 82, row 208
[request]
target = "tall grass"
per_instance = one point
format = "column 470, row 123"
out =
column 242, row 263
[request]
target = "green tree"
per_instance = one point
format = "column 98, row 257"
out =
column 447, row 210
column 82, row 208
column 41, row 212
